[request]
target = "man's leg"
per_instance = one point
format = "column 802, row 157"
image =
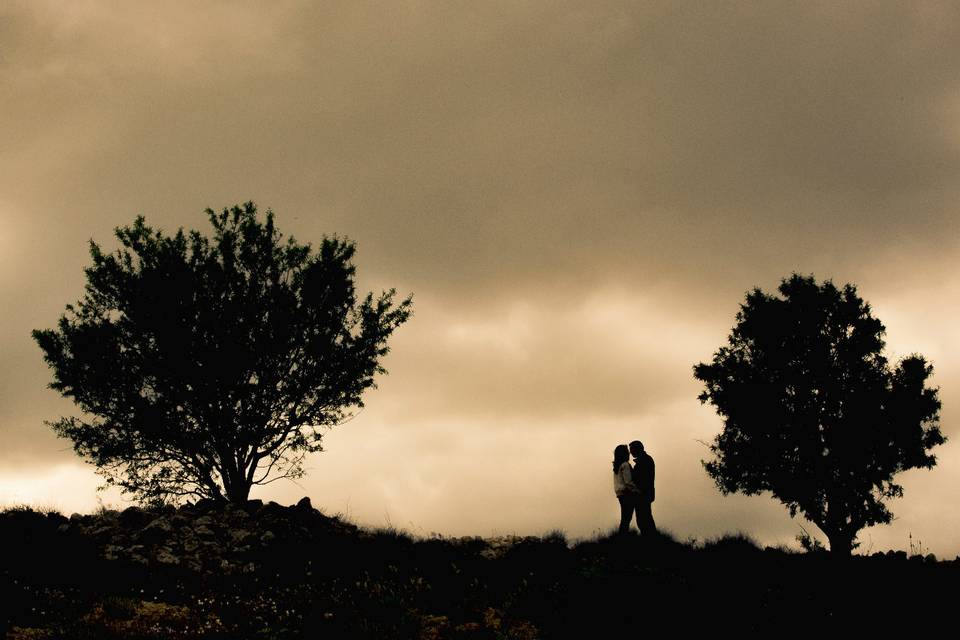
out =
column 645, row 517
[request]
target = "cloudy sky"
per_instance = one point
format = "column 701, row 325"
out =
column 577, row 194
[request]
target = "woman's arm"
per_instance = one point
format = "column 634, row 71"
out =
column 626, row 476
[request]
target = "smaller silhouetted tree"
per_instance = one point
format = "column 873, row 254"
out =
column 813, row 412
column 205, row 365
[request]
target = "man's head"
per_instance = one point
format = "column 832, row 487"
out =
column 636, row 448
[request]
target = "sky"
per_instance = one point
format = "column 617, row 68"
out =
column 577, row 194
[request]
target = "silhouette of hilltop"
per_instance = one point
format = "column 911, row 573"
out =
column 269, row 571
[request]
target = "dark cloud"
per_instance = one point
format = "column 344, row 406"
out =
column 463, row 143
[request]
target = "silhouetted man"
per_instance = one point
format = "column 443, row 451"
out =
column 643, row 475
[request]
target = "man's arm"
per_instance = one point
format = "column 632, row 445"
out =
column 653, row 473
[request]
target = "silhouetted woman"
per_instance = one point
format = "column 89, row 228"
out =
column 623, row 486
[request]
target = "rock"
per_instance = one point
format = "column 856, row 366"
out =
column 159, row 524
column 132, row 516
column 240, row 536
column 239, row 515
column 113, row 552
column 165, row 555
column 101, row 532
column 272, row 510
column 158, row 529
column 204, row 505
column 179, row 520
column 135, row 554
column 204, row 532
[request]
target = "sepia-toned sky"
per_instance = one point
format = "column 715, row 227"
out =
column 577, row 194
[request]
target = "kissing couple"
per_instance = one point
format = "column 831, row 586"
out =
column 633, row 485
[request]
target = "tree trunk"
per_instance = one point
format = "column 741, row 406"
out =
column 841, row 543
column 239, row 493
column 840, row 536
column 235, row 486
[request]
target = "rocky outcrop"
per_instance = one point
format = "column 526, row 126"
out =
column 220, row 539
column 205, row 537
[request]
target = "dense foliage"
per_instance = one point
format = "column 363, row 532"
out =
column 206, row 365
column 812, row 410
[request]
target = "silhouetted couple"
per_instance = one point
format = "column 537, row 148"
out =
column 634, row 487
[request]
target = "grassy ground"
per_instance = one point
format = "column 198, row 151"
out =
column 347, row 583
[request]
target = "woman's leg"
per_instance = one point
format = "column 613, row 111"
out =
column 626, row 513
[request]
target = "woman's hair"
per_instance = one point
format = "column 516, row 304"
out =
column 620, row 455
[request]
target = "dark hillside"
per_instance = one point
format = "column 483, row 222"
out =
column 268, row 571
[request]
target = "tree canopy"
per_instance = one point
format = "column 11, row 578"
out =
column 812, row 410
column 206, row 365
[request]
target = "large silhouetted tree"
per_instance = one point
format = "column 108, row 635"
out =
column 206, row 365
column 812, row 410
